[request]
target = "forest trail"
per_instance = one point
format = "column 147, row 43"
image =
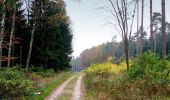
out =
column 69, row 90
column 77, row 90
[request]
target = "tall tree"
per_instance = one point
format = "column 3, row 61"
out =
column 137, row 35
column 52, row 38
column 32, row 34
column 163, row 31
column 156, row 20
column 151, row 28
column 12, row 32
column 142, row 33
column 2, row 29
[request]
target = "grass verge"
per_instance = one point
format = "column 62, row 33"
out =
column 47, row 85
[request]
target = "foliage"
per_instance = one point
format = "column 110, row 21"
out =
column 46, row 85
column 98, row 76
column 99, row 54
column 14, row 83
column 34, row 68
column 46, row 73
column 53, row 39
column 106, row 67
column 150, row 67
column 40, row 72
column 147, row 78
column 52, row 46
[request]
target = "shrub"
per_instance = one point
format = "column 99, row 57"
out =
column 145, row 79
column 34, row 69
column 37, row 72
column 106, row 67
column 14, row 83
column 99, row 77
column 150, row 67
column 46, row 73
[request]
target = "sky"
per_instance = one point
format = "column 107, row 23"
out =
column 89, row 25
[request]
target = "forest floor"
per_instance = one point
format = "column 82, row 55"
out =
column 69, row 90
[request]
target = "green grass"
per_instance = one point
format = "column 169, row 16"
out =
column 47, row 85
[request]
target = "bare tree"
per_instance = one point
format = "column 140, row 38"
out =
column 2, row 29
column 163, row 31
column 120, row 11
column 12, row 32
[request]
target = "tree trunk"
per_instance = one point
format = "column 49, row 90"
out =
column 2, row 30
column 155, row 39
column 20, row 56
column 32, row 38
column 163, row 31
column 126, row 50
column 151, row 29
column 155, row 43
column 141, row 49
column 12, row 33
column 137, row 40
column 30, row 47
column 46, row 62
column 46, row 58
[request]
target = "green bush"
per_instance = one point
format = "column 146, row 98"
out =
column 146, row 78
column 150, row 67
column 14, row 83
column 46, row 73
column 34, row 69
column 40, row 72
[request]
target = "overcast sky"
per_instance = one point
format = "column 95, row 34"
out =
column 89, row 25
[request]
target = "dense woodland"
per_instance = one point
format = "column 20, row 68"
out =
column 36, row 33
column 35, row 46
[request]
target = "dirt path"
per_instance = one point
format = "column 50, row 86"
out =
column 59, row 90
column 69, row 90
column 77, row 90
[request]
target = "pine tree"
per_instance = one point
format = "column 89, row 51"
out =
column 163, row 31
column 52, row 45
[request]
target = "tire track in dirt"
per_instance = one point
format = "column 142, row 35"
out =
column 58, row 91
column 77, row 90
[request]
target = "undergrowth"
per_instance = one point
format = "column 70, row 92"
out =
column 147, row 78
